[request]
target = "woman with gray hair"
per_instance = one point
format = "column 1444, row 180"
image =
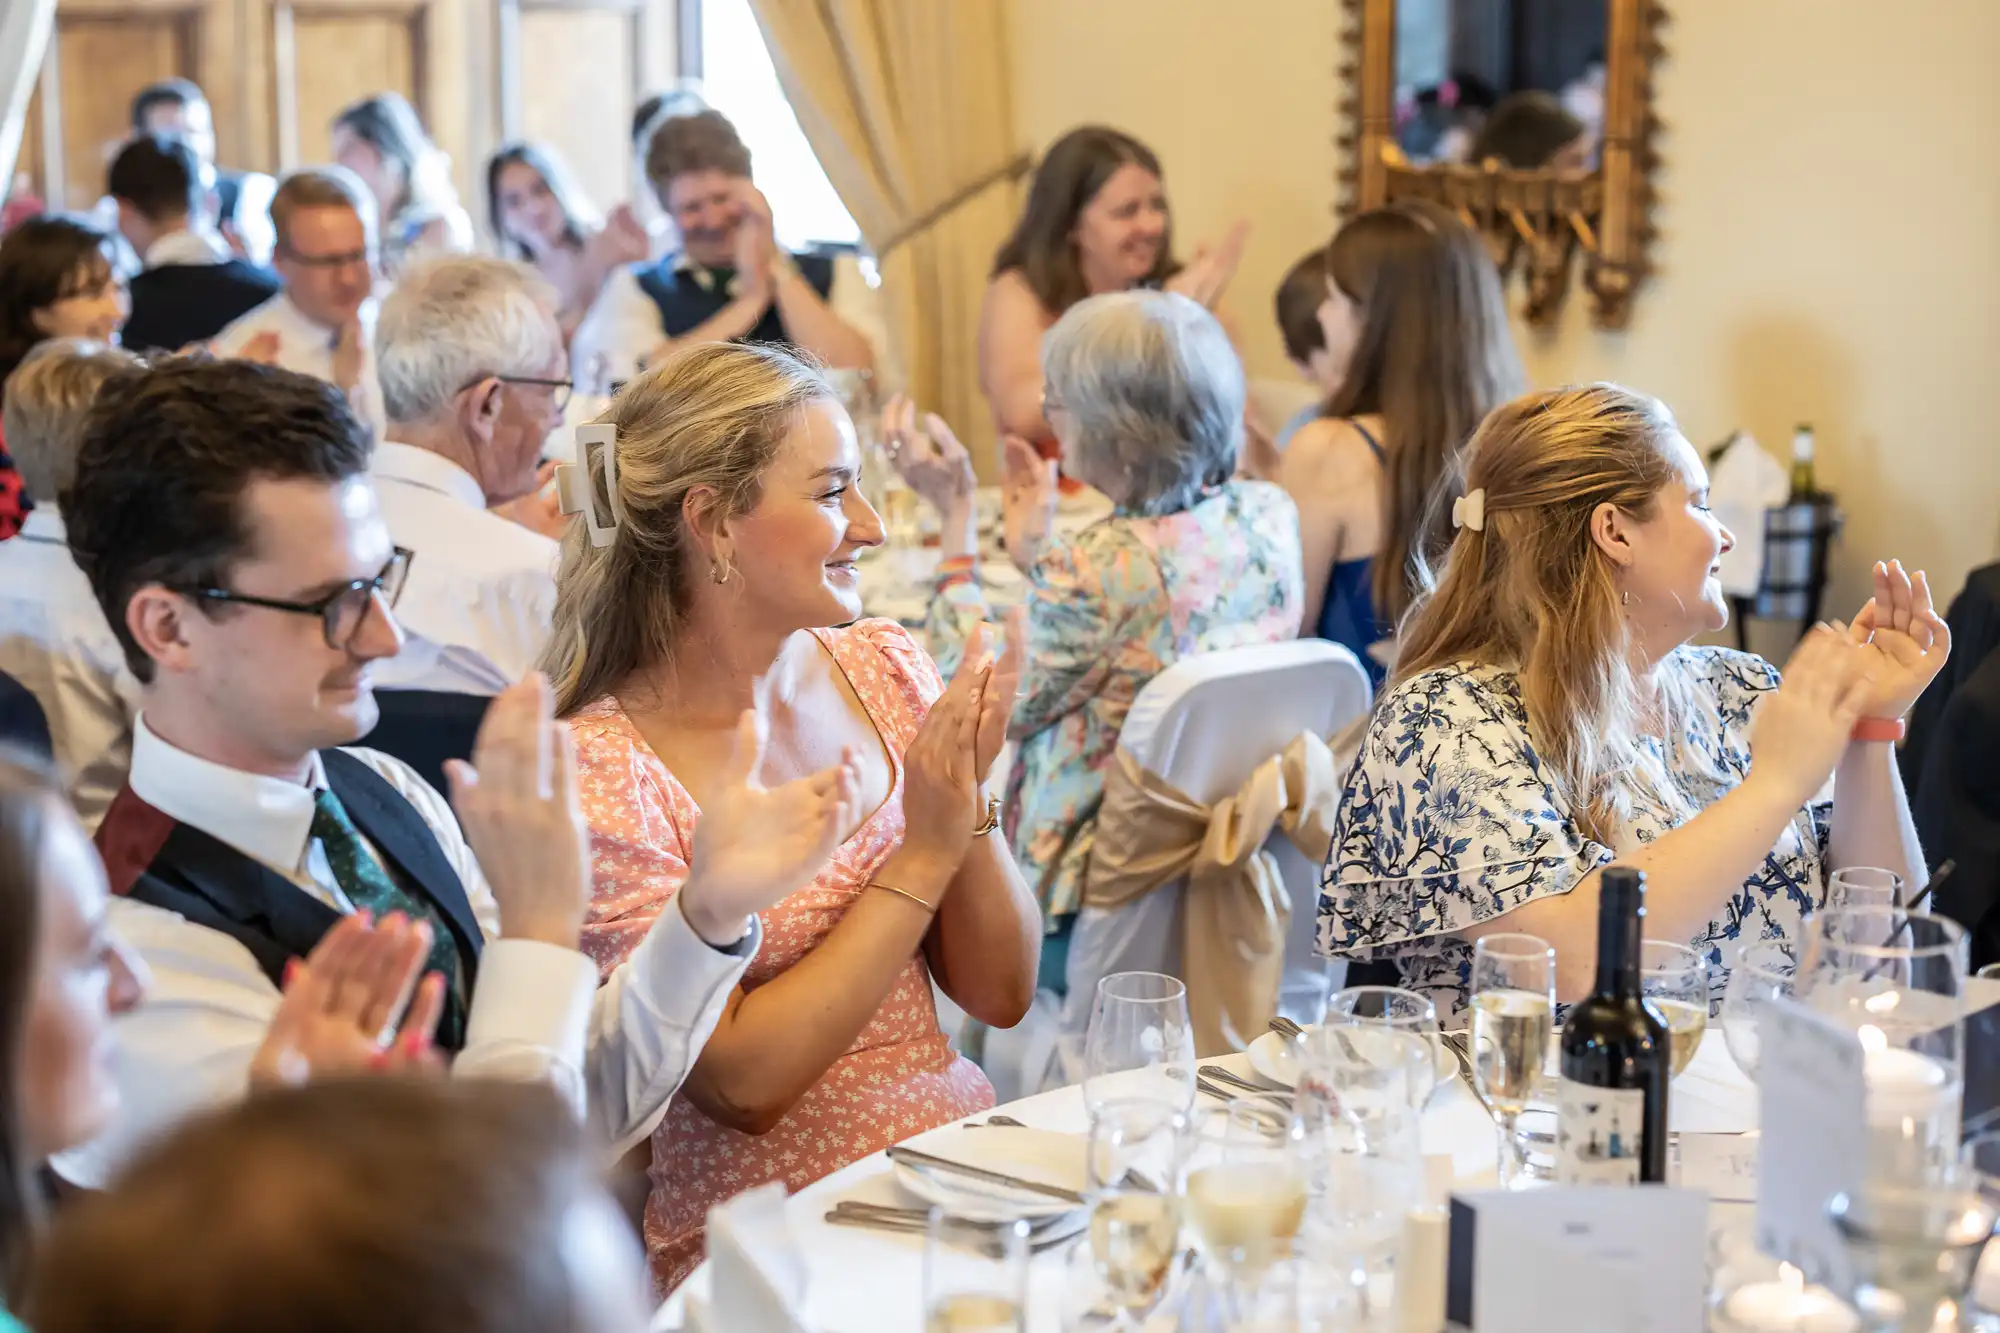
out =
column 1145, row 395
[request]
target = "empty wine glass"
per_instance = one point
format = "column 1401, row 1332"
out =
column 975, row 1275
column 1763, row 972
column 1863, row 886
column 1675, row 979
column 1140, row 1042
column 1365, row 1011
column 1513, row 1015
column 1138, row 1174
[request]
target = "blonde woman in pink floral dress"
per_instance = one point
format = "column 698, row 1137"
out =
column 737, row 523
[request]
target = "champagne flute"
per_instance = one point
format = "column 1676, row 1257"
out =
column 1513, row 1016
column 1140, row 1042
column 1246, row 1192
column 1366, row 1010
column 975, row 1275
column 1674, row 979
column 1763, row 972
column 1138, row 1174
column 1864, row 886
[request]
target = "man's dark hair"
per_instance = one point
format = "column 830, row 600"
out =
column 159, row 175
column 167, row 92
column 165, row 461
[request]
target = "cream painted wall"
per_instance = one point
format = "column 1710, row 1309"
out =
column 1801, row 276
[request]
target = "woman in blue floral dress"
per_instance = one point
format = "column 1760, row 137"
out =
column 1550, row 716
column 1146, row 397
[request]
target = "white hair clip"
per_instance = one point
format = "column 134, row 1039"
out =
column 1469, row 510
column 573, row 482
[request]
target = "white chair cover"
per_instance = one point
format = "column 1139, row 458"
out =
column 1204, row 724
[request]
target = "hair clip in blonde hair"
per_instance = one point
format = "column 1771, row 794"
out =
column 1469, row 510
column 573, row 482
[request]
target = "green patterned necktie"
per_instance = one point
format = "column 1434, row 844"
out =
column 373, row 889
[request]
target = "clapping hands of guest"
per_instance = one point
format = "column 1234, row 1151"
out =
column 356, row 1003
column 757, row 844
column 1802, row 729
column 756, row 242
column 350, row 350
column 1207, row 275
column 996, row 701
column 1907, row 641
column 928, row 457
column 1027, row 501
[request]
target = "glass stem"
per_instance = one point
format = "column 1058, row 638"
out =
column 1511, row 1157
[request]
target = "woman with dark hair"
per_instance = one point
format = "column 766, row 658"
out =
column 381, row 140
column 1414, row 319
column 542, row 218
column 1096, row 221
column 62, row 977
column 56, row 281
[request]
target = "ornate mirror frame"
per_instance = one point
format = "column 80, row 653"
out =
column 1534, row 220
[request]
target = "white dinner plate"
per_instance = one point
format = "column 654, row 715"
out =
column 1040, row 1155
column 1276, row 1061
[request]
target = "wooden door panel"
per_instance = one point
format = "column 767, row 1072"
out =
column 102, row 60
column 343, row 56
column 582, row 118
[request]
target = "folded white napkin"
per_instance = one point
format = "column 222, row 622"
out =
column 757, row 1272
column 1745, row 482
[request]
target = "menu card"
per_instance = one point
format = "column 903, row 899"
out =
column 1815, row 1141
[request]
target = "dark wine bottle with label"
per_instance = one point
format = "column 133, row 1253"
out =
column 1611, row 1105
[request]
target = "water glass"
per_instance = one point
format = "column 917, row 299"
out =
column 1896, row 979
column 1513, row 1018
column 1981, row 1157
column 1367, row 1176
column 1140, row 1042
column 1763, row 973
column 1913, row 1249
column 1374, row 1009
column 1675, row 979
column 1863, row 886
column 1304, row 991
column 975, row 1275
column 1138, row 1159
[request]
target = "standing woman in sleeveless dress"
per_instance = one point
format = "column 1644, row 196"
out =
column 1414, row 311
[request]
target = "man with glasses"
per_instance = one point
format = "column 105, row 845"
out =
column 323, row 323
column 474, row 377
column 224, row 516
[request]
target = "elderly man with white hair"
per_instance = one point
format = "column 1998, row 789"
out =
column 474, row 377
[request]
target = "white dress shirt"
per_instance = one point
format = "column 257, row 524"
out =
column 306, row 346
column 618, row 1051
column 55, row 641
column 623, row 325
column 481, row 592
column 188, row 247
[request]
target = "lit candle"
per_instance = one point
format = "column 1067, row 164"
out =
column 1787, row 1306
column 1902, row 1085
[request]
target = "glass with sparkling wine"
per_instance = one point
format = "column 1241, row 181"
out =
column 1674, row 980
column 1138, row 1172
column 1763, row 972
column 975, row 1275
column 1513, row 1017
column 1246, row 1192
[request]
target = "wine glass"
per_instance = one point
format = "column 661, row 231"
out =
column 1247, row 1192
column 1763, row 972
column 1138, row 1174
column 1513, row 1016
column 1367, row 1011
column 1863, row 886
column 1674, row 979
column 1140, row 1042
column 975, row 1275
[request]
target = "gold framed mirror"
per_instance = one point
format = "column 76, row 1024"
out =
column 1531, row 119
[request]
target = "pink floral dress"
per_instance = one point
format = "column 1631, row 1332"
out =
column 900, row 1077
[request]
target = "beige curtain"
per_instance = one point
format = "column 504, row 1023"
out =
column 24, row 35
column 908, row 105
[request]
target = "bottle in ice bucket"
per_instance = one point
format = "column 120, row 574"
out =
column 1611, row 1103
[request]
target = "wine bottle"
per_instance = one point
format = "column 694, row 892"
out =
column 1805, row 486
column 1611, row 1104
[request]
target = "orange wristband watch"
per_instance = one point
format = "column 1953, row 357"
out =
column 1890, row 729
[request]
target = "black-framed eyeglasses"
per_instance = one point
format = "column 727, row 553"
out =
column 559, row 390
column 340, row 611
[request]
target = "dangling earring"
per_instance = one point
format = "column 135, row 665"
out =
column 1625, row 598
column 720, row 571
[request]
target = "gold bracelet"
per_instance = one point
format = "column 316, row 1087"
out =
column 992, row 817
column 930, row 908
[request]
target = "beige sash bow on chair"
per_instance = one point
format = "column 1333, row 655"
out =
column 1236, row 911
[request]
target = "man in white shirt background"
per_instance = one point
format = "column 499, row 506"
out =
column 223, row 514
column 323, row 323
column 53, row 639
column 474, row 377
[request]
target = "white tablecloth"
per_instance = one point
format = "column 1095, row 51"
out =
column 896, row 579
column 872, row 1281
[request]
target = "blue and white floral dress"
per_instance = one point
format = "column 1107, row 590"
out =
column 1447, row 821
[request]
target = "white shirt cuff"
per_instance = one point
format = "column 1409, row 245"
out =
column 530, row 1015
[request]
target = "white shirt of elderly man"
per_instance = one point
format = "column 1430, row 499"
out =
column 474, row 377
column 323, row 323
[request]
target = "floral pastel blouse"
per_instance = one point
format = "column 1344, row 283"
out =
column 1106, row 613
column 1447, row 821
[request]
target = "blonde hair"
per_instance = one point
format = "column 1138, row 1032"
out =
column 47, row 406
column 1533, row 594
column 711, row 416
column 321, row 187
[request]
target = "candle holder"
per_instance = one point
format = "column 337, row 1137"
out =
column 1913, row 1251
column 1750, row 1292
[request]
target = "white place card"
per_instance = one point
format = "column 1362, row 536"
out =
column 1815, row 1139
column 1578, row 1260
column 1723, row 1166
